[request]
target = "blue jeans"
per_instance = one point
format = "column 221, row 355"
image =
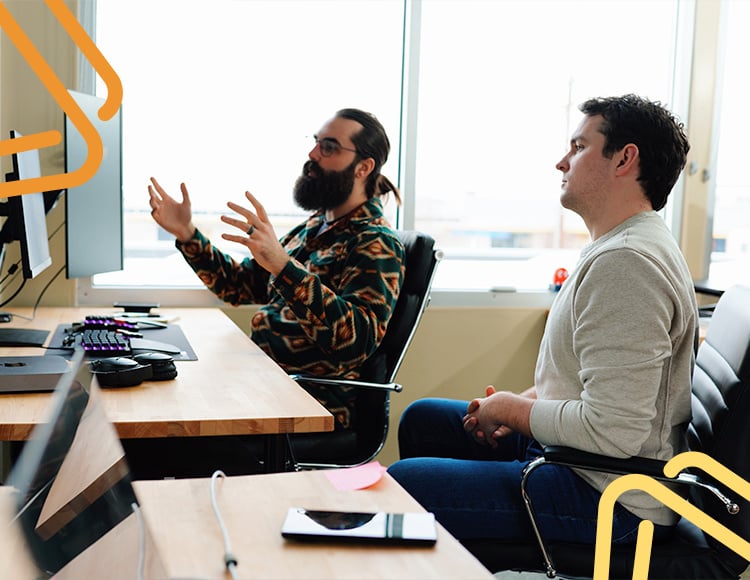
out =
column 475, row 490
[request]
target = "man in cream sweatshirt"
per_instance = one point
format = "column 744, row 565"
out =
column 615, row 363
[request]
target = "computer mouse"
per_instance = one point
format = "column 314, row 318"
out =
column 120, row 371
column 112, row 364
column 162, row 365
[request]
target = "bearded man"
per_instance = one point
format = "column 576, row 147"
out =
column 329, row 286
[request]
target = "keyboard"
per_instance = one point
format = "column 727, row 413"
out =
column 99, row 342
column 104, row 322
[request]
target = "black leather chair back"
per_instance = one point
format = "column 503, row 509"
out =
column 373, row 407
column 383, row 365
column 365, row 440
column 720, row 426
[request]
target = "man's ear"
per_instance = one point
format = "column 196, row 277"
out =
column 364, row 168
column 628, row 159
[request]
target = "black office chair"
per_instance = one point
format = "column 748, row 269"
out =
column 720, row 428
column 704, row 289
column 365, row 440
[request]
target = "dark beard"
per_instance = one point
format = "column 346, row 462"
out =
column 323, row 190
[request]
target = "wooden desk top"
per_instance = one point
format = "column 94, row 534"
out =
column 233, row 388
column 181, row 526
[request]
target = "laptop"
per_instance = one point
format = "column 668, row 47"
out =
column 71, row 480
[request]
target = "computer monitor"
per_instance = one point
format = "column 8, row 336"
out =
column 71, row 479
column 26, row 217
column 94, row 209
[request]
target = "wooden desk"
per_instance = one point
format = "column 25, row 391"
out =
column 185, row 537
column 233, row 388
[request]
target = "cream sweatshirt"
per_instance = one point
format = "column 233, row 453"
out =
column 616, row 360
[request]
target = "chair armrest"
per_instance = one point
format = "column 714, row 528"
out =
column 586, row 460
column 394, row 387
column 570, row 457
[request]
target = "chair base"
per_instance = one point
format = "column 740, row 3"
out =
column 686, row 556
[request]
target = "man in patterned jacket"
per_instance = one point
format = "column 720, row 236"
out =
column 328, row 287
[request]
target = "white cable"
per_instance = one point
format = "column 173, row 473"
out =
column 141, row 540
column 230, row 561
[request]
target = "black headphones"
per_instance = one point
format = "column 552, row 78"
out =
column 122, row 371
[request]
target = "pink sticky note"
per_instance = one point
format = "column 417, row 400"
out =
column 358, row 477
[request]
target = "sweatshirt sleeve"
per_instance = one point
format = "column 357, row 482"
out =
column 347, row 323
column 234, row 282
column 601, row 386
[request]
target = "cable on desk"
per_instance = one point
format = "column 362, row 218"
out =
column 230, row 561
column 141, row 540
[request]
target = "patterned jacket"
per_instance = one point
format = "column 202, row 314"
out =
column 328, row 309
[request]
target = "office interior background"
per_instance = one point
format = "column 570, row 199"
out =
column 479, row 99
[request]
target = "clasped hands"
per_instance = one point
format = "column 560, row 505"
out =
column 497, row 415
column 481, row 419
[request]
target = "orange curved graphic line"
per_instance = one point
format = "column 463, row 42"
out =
column 672, row 500
column 64, row 99
column 29, row 142
column 93, row 54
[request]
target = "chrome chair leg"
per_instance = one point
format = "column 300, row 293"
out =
column 549, row 565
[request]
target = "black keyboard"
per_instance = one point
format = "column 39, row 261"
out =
column 99, row 342
column 104, row 322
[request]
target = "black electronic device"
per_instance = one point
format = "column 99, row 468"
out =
column 94, row 209
column 171, row 340
column 145, row 344
column 138, row 307
column 23, row 336
column 120, row 371
column 416, row 529
column 98, row 342
column 26, row 217
column 162, row 365
column 94, row 321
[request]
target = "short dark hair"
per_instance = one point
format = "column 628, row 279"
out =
column 659, row 136
column 372, row 142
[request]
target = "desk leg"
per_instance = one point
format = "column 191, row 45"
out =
column 275, row 453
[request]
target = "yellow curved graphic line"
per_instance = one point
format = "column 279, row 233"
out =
column 64, row 99
column 709, row 465
column 672, row 500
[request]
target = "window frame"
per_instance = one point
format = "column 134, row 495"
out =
column 89, row 293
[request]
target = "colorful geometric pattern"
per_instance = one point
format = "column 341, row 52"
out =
column 328, row 310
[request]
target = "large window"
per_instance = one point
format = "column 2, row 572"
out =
column 500, row 83
column 730, row 251
column 226, row 96
column 223, row 94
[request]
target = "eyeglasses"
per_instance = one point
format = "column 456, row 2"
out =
column 329, row 146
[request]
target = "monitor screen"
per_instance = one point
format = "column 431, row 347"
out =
column 26, row 217
column 93, row 210
column 71, row 478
